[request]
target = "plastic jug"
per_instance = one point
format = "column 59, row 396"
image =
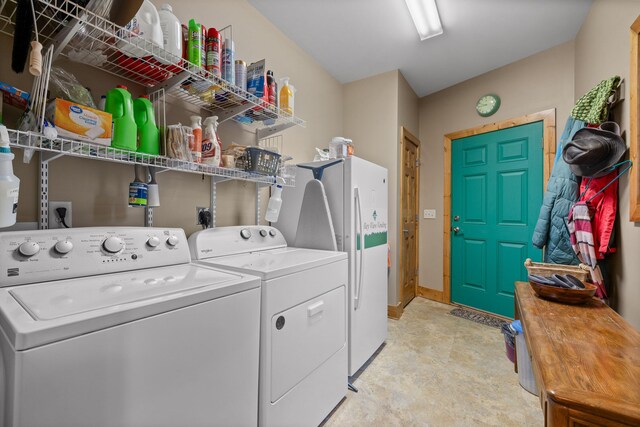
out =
column 145, row 24
column 120, row 105
column 148, row 134
column 171, row 35
column 275, row 202
column 9, row 183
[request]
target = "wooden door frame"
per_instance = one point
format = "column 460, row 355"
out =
column 548, row 117
column 405, row 134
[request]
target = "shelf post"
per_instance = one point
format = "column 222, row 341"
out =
column 148, row 217
column 212, row 206
column 258, row 200
column 43, row 217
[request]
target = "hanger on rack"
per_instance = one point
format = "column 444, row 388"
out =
column 629, row 164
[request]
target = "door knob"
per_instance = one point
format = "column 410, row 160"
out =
column 455, row 230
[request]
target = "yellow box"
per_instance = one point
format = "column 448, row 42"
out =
column 76, row 121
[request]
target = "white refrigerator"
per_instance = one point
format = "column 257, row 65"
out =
column 356, row 192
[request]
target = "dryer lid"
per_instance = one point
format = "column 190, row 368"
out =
column 276, row 262
column 47, row 312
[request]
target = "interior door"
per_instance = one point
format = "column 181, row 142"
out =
column 496, row 182
column 409, row 203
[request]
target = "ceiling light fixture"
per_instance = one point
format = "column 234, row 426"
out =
column 425, row 17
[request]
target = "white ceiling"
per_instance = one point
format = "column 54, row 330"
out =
column 353, row 39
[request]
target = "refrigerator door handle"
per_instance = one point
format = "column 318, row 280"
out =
column 361, row 237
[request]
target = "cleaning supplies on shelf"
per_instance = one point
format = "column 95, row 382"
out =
column 339, row 148
column 75, row 121
column 153, row 191
column 171, row 35
column 196, row 144
column 145, row 25
column 228, row 63
column 286, row 96
column 272, row 88
column 203, row 46
column 194, row 48
column 241, row 74
column 9, row 183
column 256, row 80
column 148, row 135
column 120, row 105
column 14, row 96
column 275, row 202
column 210, row 142
column 102, row 102
column 212, row 64
column 138, row 189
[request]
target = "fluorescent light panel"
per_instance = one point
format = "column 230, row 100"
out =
column 425, row 17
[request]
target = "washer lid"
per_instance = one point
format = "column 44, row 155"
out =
column 41, row 313
column 276, row 262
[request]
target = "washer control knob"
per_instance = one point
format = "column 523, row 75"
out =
column 63, row 247
column 29, row 249
column 272, row 233
column 245, row 233
column 263, row 232
column 153, row 241
column 172, row 240
column 113, row 245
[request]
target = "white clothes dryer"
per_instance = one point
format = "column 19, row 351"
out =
column 303, row 340
column 115, row 326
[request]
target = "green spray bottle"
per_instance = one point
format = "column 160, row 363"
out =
column 195, row 43
column 148, row 134
column 120, row 105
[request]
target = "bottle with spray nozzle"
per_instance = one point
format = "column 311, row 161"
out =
column 211, row 146
column 275, row 202
column 9, row 183
column 286, row 96
column 196, row 144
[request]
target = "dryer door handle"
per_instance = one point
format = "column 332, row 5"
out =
column 315, row 308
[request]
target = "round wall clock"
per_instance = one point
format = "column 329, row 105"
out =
column 487, row 105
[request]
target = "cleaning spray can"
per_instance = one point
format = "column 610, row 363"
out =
column 213, row 52
column 228, row 52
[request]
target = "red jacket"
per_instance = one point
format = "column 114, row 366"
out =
column 605, row 205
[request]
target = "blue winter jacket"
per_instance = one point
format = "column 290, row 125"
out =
column 562, row 192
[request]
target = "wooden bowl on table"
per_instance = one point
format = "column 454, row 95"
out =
column 563, row 295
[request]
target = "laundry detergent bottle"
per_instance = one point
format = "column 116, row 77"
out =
column 148, row 134
column 9, row 183
column 210, row 142
column 120, row 105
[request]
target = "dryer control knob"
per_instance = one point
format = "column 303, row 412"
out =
column 153, row 241
column 263, row 233
column 29, row 249
column 172, row 240
column 63, row 247
column 245, row 233
column 272, row 233
column 113, row 245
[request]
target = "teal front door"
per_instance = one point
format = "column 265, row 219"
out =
column 496, row 194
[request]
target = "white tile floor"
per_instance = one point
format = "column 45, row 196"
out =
column 438, row 370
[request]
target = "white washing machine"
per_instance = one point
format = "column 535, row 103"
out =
column 303, row 341
column 113, row 327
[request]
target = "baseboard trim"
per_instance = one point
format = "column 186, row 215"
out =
column 431, row 294
column 395, row 311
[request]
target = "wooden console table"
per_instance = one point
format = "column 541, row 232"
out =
column 586, row 361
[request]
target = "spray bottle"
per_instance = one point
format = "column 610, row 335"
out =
column 275, row 202
column 196, row 143
column 210, row 142
column 286, row 97
column 9, row 183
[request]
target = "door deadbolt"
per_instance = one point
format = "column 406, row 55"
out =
column 456, row 218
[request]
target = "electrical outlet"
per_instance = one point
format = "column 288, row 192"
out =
column 198, row 211
column 429, row 214
column 54, row 218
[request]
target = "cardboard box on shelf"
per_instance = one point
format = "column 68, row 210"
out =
column 76, row 121
column 14, row 96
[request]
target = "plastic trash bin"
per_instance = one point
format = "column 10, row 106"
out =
column 525, row 372
column 509, row 341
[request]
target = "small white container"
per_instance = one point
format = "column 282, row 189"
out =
column 146, row 25
column 9, row 183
